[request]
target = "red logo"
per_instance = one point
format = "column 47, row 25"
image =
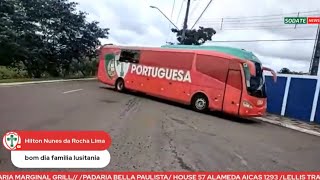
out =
column 313, row 20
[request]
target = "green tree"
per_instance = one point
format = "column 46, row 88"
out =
column 195, row 37
column 8, row 32
column 285, row 71
column 46, row 36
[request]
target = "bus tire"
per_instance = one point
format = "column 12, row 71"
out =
column 120, row 85
column 200, row 102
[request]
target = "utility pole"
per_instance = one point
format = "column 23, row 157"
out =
column 185, row 24
column 314, row 65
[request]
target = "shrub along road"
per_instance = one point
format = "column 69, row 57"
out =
column 154, row 135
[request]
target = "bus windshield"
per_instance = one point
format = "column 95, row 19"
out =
column 255, row 84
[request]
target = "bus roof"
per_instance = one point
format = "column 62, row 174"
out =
column 178, row 49
column 239, row 53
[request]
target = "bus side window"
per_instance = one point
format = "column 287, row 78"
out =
column 212, row 66
column 234, row 79
column 130, row 56
column 172, row 60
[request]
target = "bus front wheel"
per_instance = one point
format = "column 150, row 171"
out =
column 120, row 85
column 200, row 103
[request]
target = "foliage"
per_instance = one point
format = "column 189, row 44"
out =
column 285, row 71
column 288, row 71
column 195, row 37
column 11, row 73
column 47, row 37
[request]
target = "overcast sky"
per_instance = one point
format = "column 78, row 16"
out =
column 133, row 22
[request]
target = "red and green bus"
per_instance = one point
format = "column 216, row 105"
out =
column 206, row 79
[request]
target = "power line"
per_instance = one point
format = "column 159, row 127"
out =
column 257, row 26
column 267, row 22
column 272, row 19
column 195, row 7
column 202, row 13
column 270, row 28
column 275, row 25
column 174, row 2
column 273, row 15
column 252, row 19
column 270, row 15
column 180, row 11
column 267, row 40
column 249, row 23
column 264, row 26
column 170, row 35
column 172, row 10
column 243, row 22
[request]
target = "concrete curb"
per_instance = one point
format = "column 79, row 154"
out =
column 47, row 81
column 290, row 126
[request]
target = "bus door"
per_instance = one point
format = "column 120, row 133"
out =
column 233, row 92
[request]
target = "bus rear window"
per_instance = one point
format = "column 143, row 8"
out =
column 131, row 56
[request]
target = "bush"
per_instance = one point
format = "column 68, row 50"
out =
column 11, row 73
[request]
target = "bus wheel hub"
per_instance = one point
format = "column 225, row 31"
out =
column 120, row 85
column 200, row 104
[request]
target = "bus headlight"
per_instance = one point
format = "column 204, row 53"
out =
column 246, row 104
column 259, row 102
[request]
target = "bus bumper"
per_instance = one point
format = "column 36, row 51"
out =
column 250, row 110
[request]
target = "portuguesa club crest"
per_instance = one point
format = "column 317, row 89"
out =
column 114, row 67
column 11, row 141
column 110, row 65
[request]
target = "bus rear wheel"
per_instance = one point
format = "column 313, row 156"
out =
column 200, row 103
column 120, row 85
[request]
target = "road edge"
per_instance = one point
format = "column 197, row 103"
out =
column 45, row 81
column 289, row 126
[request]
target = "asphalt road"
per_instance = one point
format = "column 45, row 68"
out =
column 153, row 135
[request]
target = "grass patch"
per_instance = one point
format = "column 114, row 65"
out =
column 14, row 80
column 11, row 75
column 40, row 79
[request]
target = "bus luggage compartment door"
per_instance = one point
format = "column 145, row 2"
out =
column 177, row 91
column 233, row 91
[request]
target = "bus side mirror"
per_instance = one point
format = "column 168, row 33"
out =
column 252, row 68
column 274, row 74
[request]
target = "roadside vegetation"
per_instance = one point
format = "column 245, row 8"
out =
column 47, row 39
